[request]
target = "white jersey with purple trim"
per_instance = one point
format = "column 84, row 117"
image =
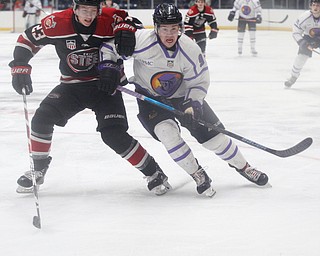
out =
column 32, row 6
column 248, row 9
column 172, row 74
column 306, row 24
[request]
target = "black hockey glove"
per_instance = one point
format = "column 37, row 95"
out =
column 125, row 39
column 213, row 33
column 192, row 112
column 21, row 77
column 258, row 19
column 109, row 76
column 231, row 15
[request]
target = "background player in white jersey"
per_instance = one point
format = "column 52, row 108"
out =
column 170, row 67
column 249, row 13
column 31, row 12
column 306, row 32
column 111, row 4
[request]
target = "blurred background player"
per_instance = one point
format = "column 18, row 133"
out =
column 77, row 33
column 171, row 68
column 194, row 23
column 110, row 3
column 31, row 12
column 306, row 32
column 249, row 14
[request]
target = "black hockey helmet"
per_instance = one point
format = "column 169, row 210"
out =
column 87, row 2
column 167, row 14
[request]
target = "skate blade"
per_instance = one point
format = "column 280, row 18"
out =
column 267, row 185
column 162, row 189
column 210, row 192
column 23, row 190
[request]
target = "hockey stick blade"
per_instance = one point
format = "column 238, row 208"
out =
column 301, row 146
column 36, row 222
column 282, row 21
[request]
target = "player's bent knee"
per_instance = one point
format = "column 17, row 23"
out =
column 167, row 131
column 216, row 142
column 117, row 138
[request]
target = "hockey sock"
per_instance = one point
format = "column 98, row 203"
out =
column 298, row 64
column 226, row 149
column 168, row 133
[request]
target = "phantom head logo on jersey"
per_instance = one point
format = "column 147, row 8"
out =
column 166, row 83
column 246, row 10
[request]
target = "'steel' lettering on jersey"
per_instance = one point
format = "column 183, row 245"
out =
column 83, row 60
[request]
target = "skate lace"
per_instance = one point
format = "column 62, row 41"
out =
column 199, row 177
column 37, row 174
column 252, row 173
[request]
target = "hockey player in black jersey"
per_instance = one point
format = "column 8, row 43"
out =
column 77, row 34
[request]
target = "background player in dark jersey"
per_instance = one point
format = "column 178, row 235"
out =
column 77, row 34
column 195, row 21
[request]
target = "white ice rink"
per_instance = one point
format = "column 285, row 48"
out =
column 93, row 203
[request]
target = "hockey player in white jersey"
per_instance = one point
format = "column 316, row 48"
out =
column 171, row 68
column 306, row 32
column 249, row 13
column 31, row 12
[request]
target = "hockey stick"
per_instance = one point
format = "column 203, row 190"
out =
column 301, row 146
column 316, row 51
column 270, row 21
column 36, row 219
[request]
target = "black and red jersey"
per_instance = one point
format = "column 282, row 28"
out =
column 78, row 49
column 195, row 20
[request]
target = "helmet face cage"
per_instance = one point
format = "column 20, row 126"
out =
column 166, row 14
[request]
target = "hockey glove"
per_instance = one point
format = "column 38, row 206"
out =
column 125, row 39
column 258, row 19
column 213, row 33
column 192, row 112
column 21, row 77
column 231, row 15
column 109, row 76
column 304, row 45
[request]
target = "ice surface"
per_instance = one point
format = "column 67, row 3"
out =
column 94, row 203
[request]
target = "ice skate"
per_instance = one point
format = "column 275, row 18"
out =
column 203, row 182
column 290, row 81
column 240, row 51
column 158, row 183
column 253, row 175
column 40, row 168
column 254, row 52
